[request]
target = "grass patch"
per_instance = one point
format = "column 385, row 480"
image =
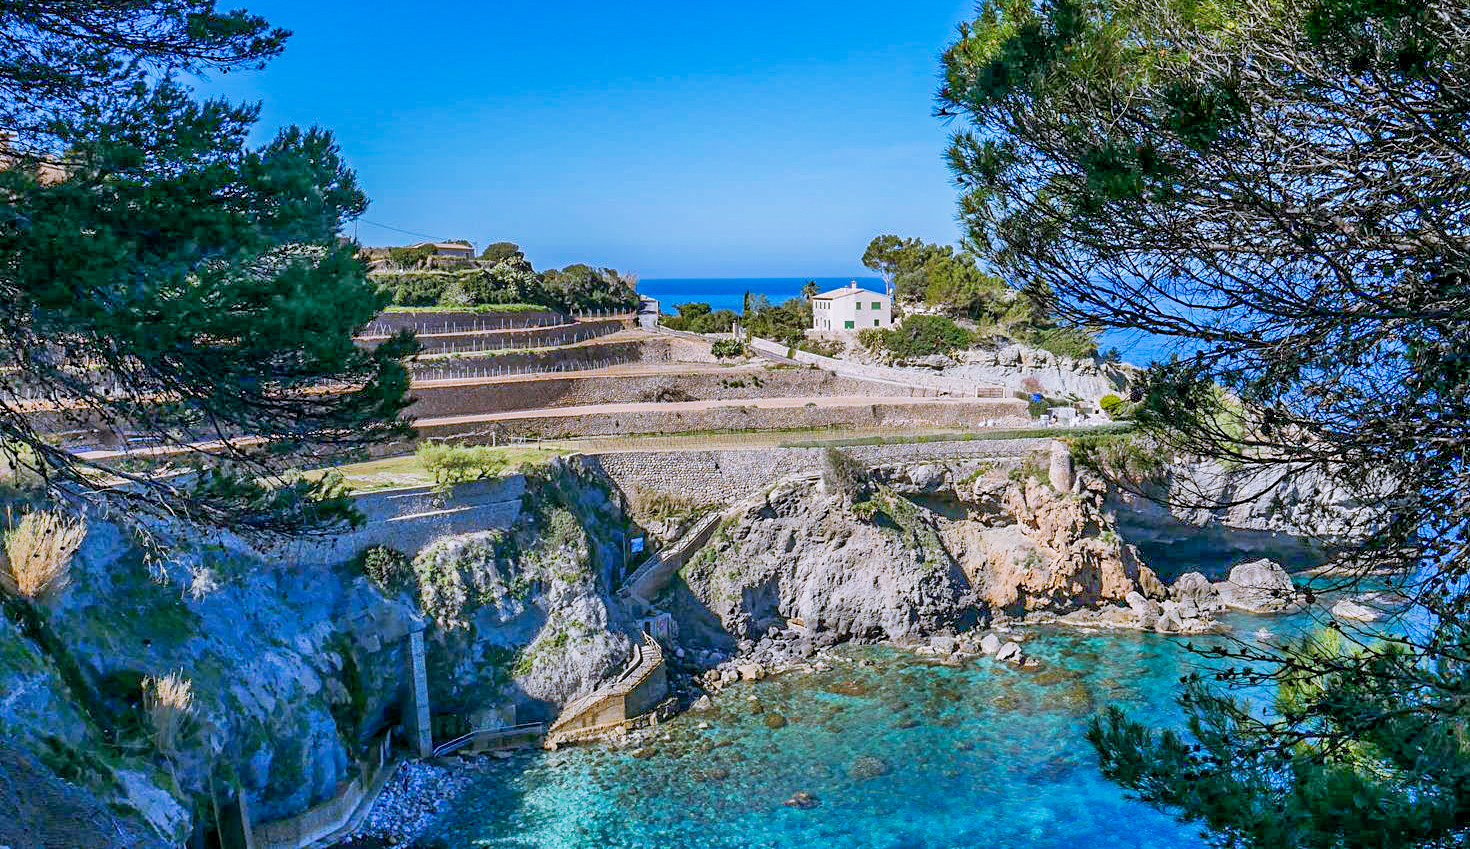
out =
column 959, row 436
column 409, row 469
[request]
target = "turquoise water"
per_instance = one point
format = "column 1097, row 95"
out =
column 983, row 755
column 729, row 293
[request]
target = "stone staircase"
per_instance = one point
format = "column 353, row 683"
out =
column 650, row 578
column 584, row 718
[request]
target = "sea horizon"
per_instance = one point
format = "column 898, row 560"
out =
column 1134, row 346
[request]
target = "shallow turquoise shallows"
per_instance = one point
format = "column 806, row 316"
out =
column 900, row 754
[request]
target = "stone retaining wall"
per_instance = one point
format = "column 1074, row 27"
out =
column 864, row 372
column 1006, row 413
column 728, row 476
column 552, row 392
column 409, row 518
column 518, row 337
column 437, row 321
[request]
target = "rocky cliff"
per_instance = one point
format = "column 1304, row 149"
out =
column 294, row 670
column 1020, row 368
column 906, row 552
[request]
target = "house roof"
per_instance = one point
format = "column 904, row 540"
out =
column 843, row 292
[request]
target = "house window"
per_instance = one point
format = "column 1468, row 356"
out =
column 875, row 305
column 875, row 322
column 847, row 325
column 859, row 304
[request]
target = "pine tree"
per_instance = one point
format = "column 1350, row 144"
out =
column 1286, row 188
column 160, row 277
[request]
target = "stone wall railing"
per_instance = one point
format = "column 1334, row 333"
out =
column 331, row 816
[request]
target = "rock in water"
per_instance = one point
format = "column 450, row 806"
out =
column 775, row 721
column 752, row 672
column 1010, row 652
column 1349, row 609
column 1260, row 586
column 990, row 644
column 1196, row 589
column 803, row 800
column 864, row 767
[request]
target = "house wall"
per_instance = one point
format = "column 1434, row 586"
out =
column 832, row 314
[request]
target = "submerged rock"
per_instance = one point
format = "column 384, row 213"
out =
column 865, row 767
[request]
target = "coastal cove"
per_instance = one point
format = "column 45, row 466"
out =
column 900, row 751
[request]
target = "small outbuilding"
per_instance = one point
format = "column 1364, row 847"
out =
column 851, row 308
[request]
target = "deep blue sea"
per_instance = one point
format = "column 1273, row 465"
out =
column 901, row 752
column 729, row 293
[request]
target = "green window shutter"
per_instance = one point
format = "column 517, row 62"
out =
column 859, row 304
column 875, row 306
column 847, row 325
column 875, row 322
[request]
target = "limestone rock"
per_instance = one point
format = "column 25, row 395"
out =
column 751, row 672
column 1260, row 586
column 1010, row 652
column 1349, row 609
column 1196, row 589
column 990, row 644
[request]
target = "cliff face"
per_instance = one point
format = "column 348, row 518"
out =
column 295, row 670
column 918, row 552
column 1214, row 516
column 1020, row 368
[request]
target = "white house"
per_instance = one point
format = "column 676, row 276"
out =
column 851, row 308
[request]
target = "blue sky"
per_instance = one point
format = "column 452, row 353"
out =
column 673, row 139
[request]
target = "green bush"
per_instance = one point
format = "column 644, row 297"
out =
column 452, row 464
column 696, row 317
column 388, row 569
column 920, row 336
column 1079, row 343
column 726, row 348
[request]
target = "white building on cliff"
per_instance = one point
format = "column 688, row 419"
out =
column 850, row 308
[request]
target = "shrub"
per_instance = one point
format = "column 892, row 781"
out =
column 843, row 475
column 821, row 347
column 727, row 348
column 452, row 464
column 921, row 336
column 387, row 568
column 169, row 703
column 38, row 553
column 1079, row 343
column 1108, row 402
column 672, row 394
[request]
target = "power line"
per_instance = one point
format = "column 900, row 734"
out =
column 399, row 229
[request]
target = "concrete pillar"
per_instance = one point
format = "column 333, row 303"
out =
column 416, row 711
column 1061, row 472
column 236, row 831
